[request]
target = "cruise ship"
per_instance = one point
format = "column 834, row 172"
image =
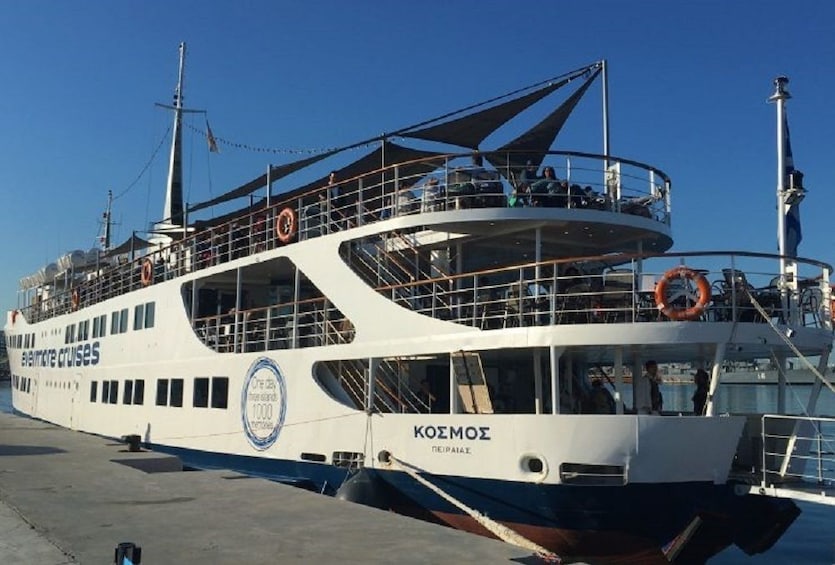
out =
column 428, row 332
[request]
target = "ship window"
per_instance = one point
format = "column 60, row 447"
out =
column 94, row 390
column 177, row 392
column 105, row 391
column 123, row 322
column 114, row 392
column 69, row 334
column 201, row 392
column 139, row 391
column 95, row 328
column 114, row 323
column 220, row 392
column 162, row 392
column 33, row 340
column 150, row 307
column 127, row 396
column 83, row 330
column 103, row 325
column 138, row 316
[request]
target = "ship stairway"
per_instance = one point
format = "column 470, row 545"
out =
column 394, row 264
column 393, row 392
column 796, row 458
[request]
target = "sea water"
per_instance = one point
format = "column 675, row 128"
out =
column 811, row 538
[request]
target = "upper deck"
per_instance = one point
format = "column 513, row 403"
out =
column 594, row 204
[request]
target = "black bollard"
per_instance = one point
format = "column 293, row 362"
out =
column 128, row 553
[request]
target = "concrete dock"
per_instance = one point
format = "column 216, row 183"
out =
column 69, row 497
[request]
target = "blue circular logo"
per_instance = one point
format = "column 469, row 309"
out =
column 263, row 403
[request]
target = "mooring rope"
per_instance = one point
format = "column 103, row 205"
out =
column 788, row 341
column 501, row 531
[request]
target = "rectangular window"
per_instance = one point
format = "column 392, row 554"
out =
column 220, row 392
column 162, row 392
column 201, row 392
column 149, row 314
column 33, row 340
column 114, row 392
column 114, row 323
column 127, row 396
column 123, row 323
column 103, row 325
column 95, row 328
column 139, row 391
column 176, row 392
column 138, row 316
column 94, row 390
column 105, row 391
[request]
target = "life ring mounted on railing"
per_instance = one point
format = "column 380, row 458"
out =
column 667, row 304
column 75, row 299
column 146, row 274
column 286, row 225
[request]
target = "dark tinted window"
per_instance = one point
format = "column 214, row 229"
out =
column 220, row 392
column 201, row 392
column 176, row 392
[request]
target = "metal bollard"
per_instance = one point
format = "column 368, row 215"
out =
column 127, row 553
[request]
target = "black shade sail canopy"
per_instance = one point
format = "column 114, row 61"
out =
column 467, row 131
column 471, row 130
column 260, row 182
column 535, row 143
column 133, row 243
column 412, row 165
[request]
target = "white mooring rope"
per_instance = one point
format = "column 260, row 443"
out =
column 499, row 530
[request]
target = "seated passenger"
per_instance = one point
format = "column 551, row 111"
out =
column 514, row 200
column 548, row 185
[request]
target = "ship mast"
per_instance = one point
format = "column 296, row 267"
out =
column 105, row 240
column 172, row 214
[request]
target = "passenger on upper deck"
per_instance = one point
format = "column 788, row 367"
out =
column 528, row 176
column 514, row 200
column 548, row 190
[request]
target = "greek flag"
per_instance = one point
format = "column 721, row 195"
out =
column 794, row 234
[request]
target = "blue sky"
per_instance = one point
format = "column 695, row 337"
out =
column 688, row 85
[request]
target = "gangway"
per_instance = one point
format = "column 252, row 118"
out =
column 798, row 458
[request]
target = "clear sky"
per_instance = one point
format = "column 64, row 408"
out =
column 688, row 88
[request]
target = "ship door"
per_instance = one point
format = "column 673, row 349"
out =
column 75, row 410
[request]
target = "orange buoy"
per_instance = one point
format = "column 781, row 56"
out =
column 147, row 272
column 665, row 305
column 286, row 225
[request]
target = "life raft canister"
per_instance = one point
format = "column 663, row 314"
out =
column 286, row 225
column 678, row 314
column 147, row 272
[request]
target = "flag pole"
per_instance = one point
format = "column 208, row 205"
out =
column 779, row 98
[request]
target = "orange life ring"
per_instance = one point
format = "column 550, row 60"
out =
column 14, row 316
column 285, row 225
column 75, row 299
column 147, row 272
column 678, row 314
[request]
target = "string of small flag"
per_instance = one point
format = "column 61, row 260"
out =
column 214, row 142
